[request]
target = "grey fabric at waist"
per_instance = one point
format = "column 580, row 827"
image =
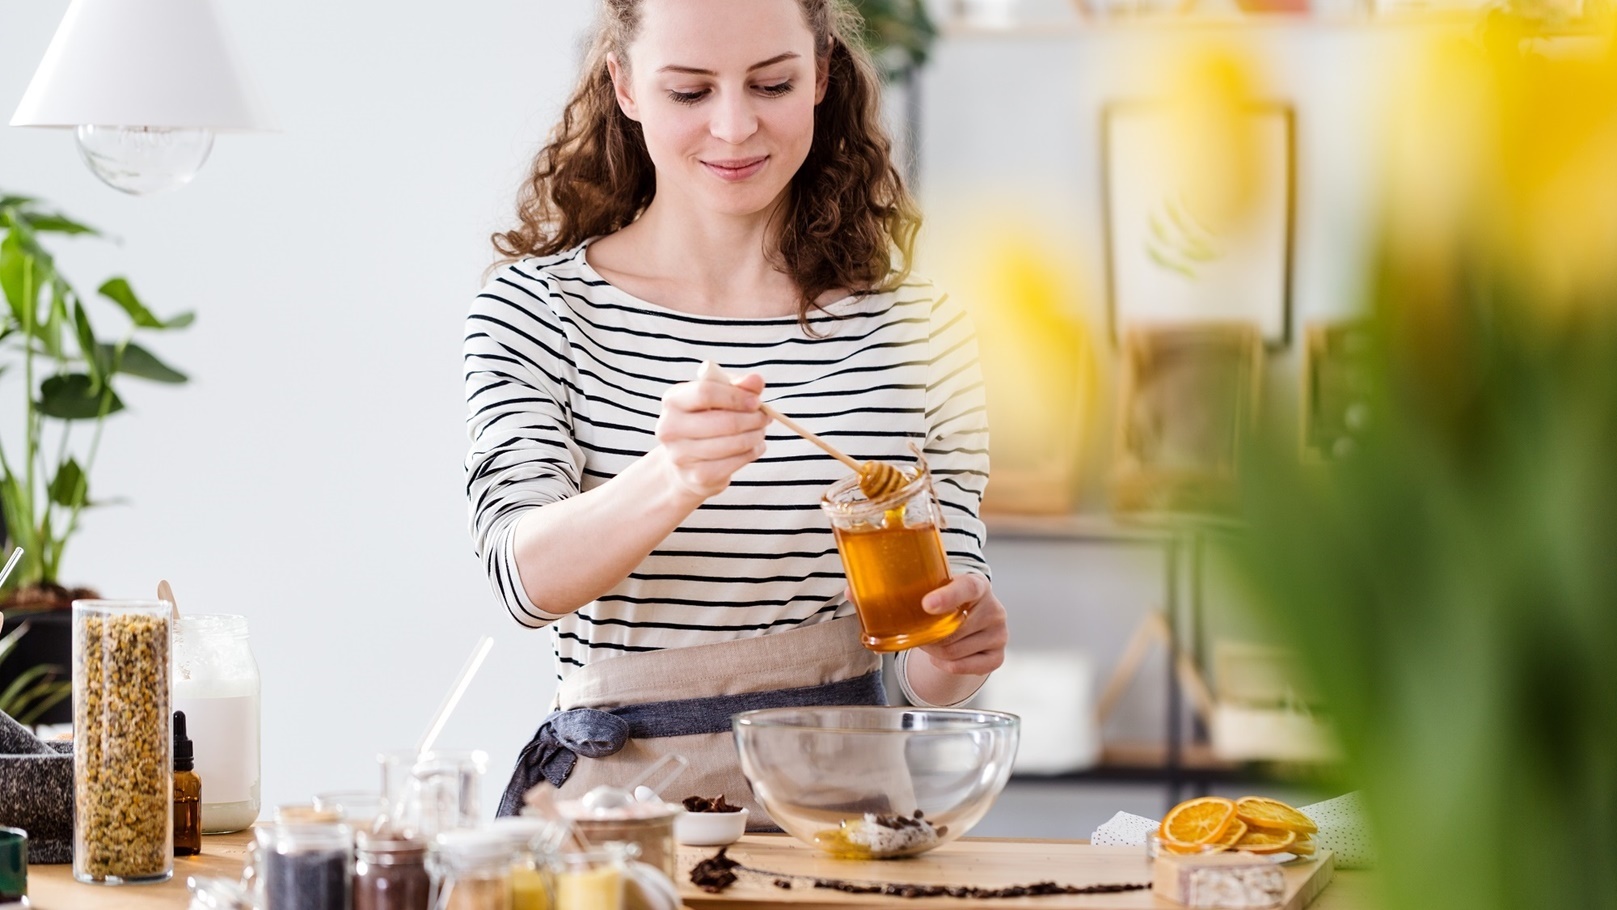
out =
column 593, row 733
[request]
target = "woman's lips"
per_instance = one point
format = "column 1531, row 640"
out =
column 735, row 168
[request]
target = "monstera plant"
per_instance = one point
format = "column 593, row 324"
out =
column 64, row 377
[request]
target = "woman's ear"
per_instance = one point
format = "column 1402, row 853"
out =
column 822, row 72
column 621, row 87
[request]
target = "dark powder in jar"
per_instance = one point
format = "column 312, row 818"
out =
column 311, row 880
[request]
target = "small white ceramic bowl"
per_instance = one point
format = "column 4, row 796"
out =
column 710, row 829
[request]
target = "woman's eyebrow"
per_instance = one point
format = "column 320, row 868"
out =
column 698, row 71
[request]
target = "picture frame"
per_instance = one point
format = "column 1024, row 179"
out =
column 1188, row 398
column 1164, row 264
column 1336, row 389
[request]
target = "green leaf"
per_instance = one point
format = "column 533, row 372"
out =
column 19, row 202
column 118, row 291
column 49, row 695
column 22, row 682
column 9, row 643
column 88, row 347
column 57, row 224
column 137, row 361
column 70, row 487
column 13, row 271
column 73, row 396
column 55, row 318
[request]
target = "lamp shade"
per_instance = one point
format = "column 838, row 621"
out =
column 139, row 63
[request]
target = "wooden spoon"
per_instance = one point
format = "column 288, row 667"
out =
column 877, row 479
column 164, row 592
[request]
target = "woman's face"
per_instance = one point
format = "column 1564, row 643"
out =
column 724, row 91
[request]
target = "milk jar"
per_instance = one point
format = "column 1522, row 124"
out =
column 216, row 684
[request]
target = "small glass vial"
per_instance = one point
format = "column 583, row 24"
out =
column 123, row 763
column 302, row 866
column 216, row 684
column 187, row 794
column 893, row 556
column 648, row 827
column 473, row 870
column 390, row 873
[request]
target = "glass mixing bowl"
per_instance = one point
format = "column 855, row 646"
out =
column 876, row 783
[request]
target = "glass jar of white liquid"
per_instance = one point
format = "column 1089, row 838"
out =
column 216, row 684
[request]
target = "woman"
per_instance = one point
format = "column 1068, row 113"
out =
column 719, row 189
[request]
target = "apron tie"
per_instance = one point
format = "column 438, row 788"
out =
column 565, row 735
column 594, row 733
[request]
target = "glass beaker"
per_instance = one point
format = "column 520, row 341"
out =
column 893, row 556
column 426, row 793
column 123, row 762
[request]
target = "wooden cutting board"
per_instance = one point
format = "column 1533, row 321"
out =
column 985, row 863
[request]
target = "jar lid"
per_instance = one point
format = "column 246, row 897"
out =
column 306, row 814
column 524, row 830
column 472, row 846
column 215, row 893
column 387, row 848
column 588, row 809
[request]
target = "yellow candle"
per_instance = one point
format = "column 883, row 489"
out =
column 590, row 889
column 528, row 889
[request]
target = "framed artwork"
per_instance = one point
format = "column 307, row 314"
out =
column 1337, row 386
column 1171, row 255
column 1188, row 397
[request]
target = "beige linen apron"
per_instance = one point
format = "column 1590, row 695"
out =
column 823, row 653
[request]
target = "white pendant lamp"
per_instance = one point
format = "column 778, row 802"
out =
column 146, row 84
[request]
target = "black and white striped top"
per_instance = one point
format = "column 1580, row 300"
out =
column 564, row 378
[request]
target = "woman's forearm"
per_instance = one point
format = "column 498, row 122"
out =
column 572, row 551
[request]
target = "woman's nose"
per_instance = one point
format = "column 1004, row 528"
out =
column 734, row 120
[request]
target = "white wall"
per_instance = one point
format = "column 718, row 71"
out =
column 309, row 476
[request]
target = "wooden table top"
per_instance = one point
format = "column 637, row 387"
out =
column 53, row 887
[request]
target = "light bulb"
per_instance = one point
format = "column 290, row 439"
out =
column 141, row 160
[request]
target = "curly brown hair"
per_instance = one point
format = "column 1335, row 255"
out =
column 848, row 221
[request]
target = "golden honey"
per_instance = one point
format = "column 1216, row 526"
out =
column 890, row 568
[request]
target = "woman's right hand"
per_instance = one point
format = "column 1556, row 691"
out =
column 709, row 429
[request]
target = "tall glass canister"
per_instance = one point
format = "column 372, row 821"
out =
column 123, row 765
column 216, row 684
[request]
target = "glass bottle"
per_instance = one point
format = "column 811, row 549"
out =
column 532, row 842
column 390, row 873
column 216, row 684
column 187, row 793
column 472, row 869
column 123, row 764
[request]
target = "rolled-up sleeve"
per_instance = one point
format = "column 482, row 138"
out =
column 523, row 454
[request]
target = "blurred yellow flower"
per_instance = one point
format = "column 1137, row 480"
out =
column 1506, row 161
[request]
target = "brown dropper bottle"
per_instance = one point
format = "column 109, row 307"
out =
column 187, row 794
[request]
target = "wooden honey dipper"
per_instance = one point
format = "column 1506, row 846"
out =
column 877, row 479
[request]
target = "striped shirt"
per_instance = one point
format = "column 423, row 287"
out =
column 564, row 379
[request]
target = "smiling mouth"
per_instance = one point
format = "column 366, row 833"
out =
column 736, row 168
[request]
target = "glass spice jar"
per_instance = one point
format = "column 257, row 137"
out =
column 390, row 873
column 302, row 866
column 123, row 778
column 472, row 870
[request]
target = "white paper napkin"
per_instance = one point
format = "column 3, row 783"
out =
column 1341, row 821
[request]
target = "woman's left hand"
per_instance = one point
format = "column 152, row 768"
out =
column 977, row 648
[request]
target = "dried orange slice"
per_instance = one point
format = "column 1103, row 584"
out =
column 1266, row 840
column 1232, row 834
column 1304, row 846
column 1262, row 812
column 1198, row 821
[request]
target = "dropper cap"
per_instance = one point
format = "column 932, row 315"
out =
column 182, row 744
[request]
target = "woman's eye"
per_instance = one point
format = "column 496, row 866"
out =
column 779, row 88
column 686, row 97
